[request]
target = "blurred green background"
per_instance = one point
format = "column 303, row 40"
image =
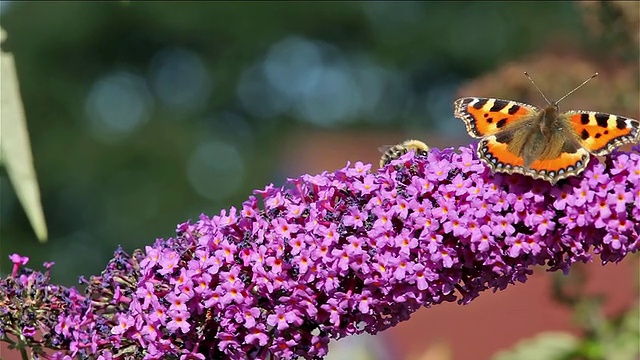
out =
column 144, row 115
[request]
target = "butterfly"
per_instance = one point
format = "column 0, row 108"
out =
column 542, row 143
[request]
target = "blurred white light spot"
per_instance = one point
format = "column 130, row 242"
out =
column 216, row 170
column 316, row 83
column 290, row 66
column 384, row 91
column 332, row 99
column 180, row 79
column 117, row 104
column 314, row 79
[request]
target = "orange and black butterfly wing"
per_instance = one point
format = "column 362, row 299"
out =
column 487, row 116
column 601, row 133
column 499, row 158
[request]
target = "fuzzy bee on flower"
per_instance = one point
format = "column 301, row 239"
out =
column 392, row 152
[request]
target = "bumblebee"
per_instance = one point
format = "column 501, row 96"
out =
column 392, row 152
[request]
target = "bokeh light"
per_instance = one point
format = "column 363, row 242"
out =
column 180, row 79
column 117, row 104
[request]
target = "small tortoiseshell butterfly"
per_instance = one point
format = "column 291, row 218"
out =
column 542, row 143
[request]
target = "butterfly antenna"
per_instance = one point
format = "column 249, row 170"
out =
column 577, row 87
column 540, row 91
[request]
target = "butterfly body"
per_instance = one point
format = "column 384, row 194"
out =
column 541, row 143
column 540, row 136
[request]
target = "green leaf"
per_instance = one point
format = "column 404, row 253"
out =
column 545, row 346
column 15, row 149
column 623, row 345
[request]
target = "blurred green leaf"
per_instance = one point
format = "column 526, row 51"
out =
column 622, row 342
column 603, row 337
column 15, row 149
column 545, row 346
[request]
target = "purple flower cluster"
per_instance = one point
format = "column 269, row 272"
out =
column 30, row 307
column 358, row 251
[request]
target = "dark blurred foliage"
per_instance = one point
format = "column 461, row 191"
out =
column 619, row 83
column 614, row 27
column 611, row 49
column 143, row 115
